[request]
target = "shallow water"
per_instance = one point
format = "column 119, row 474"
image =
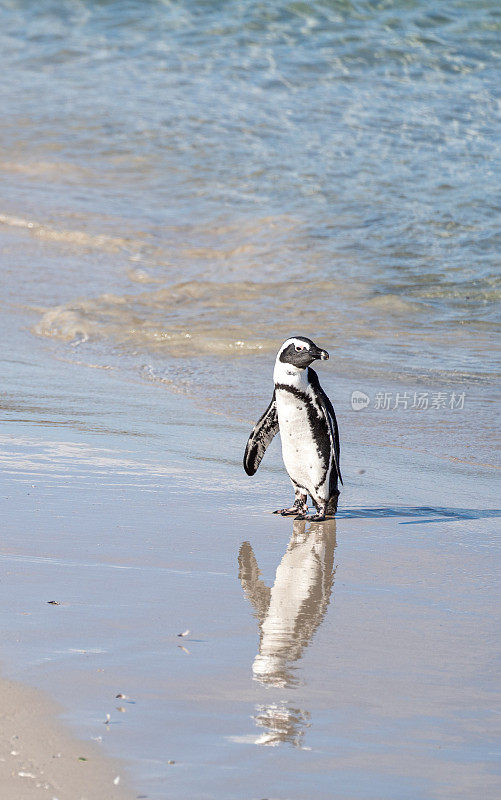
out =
column 208, row 178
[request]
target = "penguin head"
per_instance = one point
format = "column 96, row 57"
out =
column 300, row 352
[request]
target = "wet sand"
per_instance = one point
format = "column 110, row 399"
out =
column 347, row 660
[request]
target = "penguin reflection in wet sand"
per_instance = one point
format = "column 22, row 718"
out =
column 304, row 415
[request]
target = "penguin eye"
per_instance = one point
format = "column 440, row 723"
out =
column 300, row 347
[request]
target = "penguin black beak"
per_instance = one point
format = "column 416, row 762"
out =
column 316, row 352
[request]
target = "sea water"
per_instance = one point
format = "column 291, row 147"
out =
column 202, row 179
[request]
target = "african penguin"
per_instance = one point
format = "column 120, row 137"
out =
column 304, row 415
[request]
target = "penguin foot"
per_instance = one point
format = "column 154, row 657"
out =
column 288, row 512
column 318, row 517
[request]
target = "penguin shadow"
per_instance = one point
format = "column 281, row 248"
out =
column 288, row 614
column 420, row 514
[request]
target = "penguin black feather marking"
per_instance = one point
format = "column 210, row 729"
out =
column 303, row 413
column 330, row 416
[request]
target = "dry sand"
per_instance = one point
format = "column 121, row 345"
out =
column 40, row 759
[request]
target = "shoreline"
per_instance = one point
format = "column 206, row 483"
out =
column 40, row 756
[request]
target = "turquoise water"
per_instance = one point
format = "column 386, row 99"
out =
column 326, row 168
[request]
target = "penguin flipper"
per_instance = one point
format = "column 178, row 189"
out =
column 330, row 417
column 262, row 433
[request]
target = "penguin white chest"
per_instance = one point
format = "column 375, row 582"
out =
column 299, row 451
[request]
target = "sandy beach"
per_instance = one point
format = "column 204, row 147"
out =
column 39, row 758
